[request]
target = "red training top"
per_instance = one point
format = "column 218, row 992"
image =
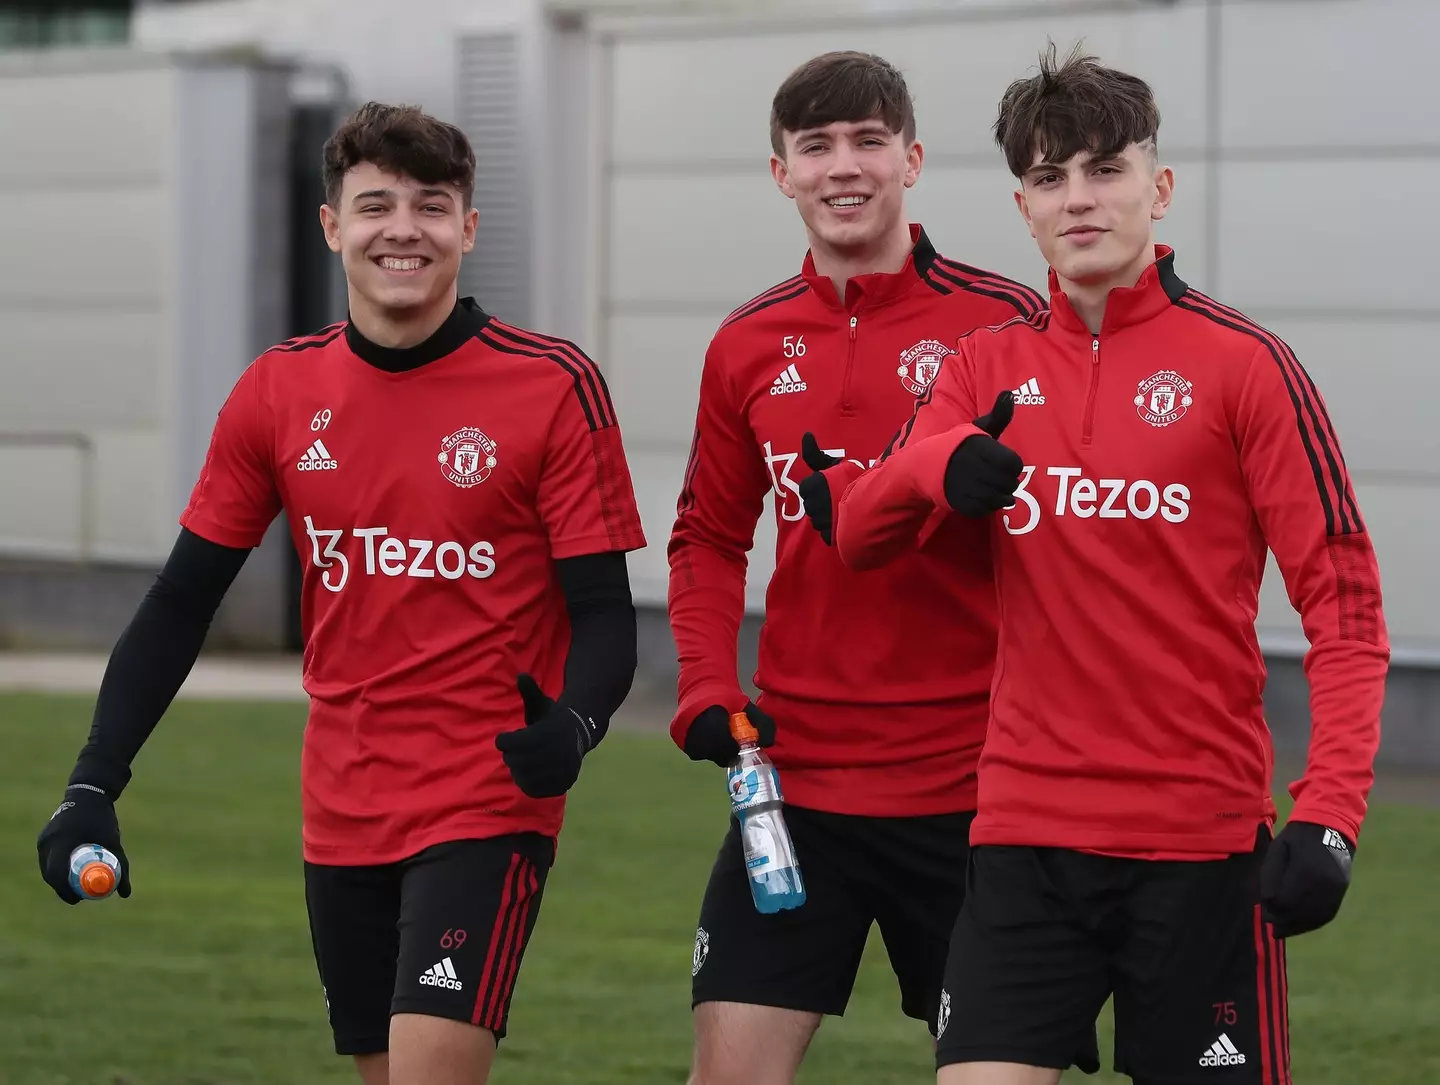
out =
column 878, row 682
column 1162, row 457
column 428, row 507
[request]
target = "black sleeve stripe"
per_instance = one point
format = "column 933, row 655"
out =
column 1314, row 402
column 1026, row 300
column 903, row 433
column 776, row 299
column 1311, row 419
column 590, row 387
column 592, row 408
column 594, row 378
column 759, row 301
column 998, row 289
column 687, row 488
column 309, row 342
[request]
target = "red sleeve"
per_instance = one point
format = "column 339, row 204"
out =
column 236, row 498
column 720, row 504
column 586, row 497
column 895, row 505
column 1301, row 493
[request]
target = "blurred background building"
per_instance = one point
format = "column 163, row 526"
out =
column 161, row 163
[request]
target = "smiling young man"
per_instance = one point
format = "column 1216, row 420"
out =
column 876, row 746
column 1123, row 843
column 457, row 490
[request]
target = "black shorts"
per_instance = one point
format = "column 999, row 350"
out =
column 1047, row 935
column 441, row 933
column 906, row 874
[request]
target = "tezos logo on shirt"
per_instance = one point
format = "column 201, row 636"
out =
column 1106, row 498
column 391, row 556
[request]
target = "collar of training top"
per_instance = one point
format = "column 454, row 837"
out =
column 464, row 321
column 877, row 288
column 1156, row 290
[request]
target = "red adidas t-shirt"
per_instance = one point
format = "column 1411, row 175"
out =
column 428, row 507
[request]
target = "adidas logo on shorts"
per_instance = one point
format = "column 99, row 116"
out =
column 1222, row 1053
column 441, row 975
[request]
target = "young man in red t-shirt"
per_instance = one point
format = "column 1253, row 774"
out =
column 458, row 493
column 876, row 744
column 1156, row 444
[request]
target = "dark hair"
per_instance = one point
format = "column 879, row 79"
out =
column 1077, row 105
column 844, row 86
column 400, row 139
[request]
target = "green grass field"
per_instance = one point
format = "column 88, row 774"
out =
column 205, row 976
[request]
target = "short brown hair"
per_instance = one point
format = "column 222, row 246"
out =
column 1072, row 106
column 400, row 139
column 842, row 86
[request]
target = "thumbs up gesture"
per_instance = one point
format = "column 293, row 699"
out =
column 815, row 488
column 982, row 475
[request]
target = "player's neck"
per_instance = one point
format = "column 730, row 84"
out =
column 1088, row 299
column 400, row 329
column 885, row 257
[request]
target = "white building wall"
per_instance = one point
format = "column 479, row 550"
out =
column 1299, row 197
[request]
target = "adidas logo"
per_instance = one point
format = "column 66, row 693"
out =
column 442, row 975
column 1222, row 1053
column 1028, row 394
column 788, row 381
column 1335, row 840
column 317, row 458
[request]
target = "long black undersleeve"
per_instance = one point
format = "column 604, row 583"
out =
column 601, row 664
column 153, row 656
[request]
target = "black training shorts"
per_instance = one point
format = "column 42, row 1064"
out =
column 1047, row 935
column 441, row 933
column 905, row 873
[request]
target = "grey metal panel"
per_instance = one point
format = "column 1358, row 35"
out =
column 489, row 109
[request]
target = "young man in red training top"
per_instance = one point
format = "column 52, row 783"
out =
column 1123, row 841
column 457, row 490
column 876, row 747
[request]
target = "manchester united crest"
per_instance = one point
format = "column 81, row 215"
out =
column 920, row 364
column 467, row 457
column 1163, row 398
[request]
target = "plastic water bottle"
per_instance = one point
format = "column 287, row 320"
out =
column 94, row 872
column 756, row 801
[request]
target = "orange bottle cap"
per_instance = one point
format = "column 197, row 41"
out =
column 741, row 729
column 97, row 879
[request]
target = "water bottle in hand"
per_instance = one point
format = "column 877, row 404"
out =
column 94, row 872
column 756, row 801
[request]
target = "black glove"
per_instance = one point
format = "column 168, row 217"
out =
column 1304, row 877
column 544, row 756
column 87, row 816
column 983, row 475
column 709, row 737
column 815, row 488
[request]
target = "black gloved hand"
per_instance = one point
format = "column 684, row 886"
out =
column 982, row 475
column 709, row 737
column 1304, row 877
column 87, row 816
column 815, row 488
column 544, row 756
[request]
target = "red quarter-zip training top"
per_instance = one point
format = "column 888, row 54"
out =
column 1162, row 457
column 878, row 681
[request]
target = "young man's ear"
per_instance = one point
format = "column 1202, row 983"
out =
column 914, row 159
column 1024, row 207
column 1164, row 193
column 472, row 219
column 781, row 172
column 330, row 223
